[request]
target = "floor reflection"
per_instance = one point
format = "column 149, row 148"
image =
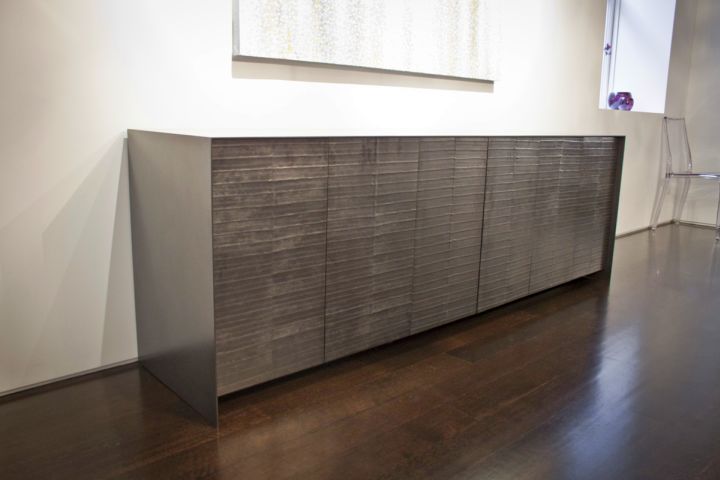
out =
column 651, row 375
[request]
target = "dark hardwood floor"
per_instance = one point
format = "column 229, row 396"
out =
column 588, row 381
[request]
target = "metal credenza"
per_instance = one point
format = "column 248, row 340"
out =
column 258, row 257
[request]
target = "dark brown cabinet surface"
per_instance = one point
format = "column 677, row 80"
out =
column 448, row 231
column 508, row 223
column 299, row 251
column 372, row 192
column 595, row 215
column 547, row 213
column 269, row 236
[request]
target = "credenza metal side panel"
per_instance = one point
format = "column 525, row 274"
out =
column 269, row 234
column 172, row 263
column 372, row 189
column 512, row 170
column 448, row 232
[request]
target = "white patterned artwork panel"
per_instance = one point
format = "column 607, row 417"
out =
column 455, row 38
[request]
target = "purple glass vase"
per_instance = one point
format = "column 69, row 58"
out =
column 621, row 101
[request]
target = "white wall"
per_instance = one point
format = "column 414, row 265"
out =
column 78, row 73
column 703, row 111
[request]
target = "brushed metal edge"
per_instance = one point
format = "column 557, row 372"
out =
column 171, row 223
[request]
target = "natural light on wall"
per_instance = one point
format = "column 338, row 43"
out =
column 636, row 58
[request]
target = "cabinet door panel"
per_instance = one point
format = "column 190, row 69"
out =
column 370, row 242
column 451, row 183
column 547, row 214
column 593, row 230
column 573, row 219
column 269, row 235
column 552, row 250
column 512, row 171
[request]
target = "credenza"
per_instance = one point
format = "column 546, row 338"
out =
column 255, row 258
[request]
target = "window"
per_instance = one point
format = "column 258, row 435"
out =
column 636, row 54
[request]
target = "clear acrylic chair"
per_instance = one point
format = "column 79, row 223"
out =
column 677, row 164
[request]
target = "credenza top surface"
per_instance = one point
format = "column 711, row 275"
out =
column 220, row 133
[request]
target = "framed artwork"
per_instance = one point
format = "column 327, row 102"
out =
column 448, row 38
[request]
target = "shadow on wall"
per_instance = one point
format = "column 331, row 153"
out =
column 65, row 263
column 262, row 69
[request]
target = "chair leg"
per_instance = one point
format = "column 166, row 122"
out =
column 681, row 200
column 659, row 200
column 717, row 222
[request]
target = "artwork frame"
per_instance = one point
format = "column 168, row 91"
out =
column 435, row 38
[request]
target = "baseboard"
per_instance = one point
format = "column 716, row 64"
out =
column 687, row 223
column 697, row 224
column 68, row 377
column 644, row 229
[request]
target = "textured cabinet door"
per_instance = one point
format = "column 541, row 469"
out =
column 269, row 239
column 598, row 178
column 372, row 188
column 573, row 200
column 507, row 245
column 448, row 232
column 552, row 222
